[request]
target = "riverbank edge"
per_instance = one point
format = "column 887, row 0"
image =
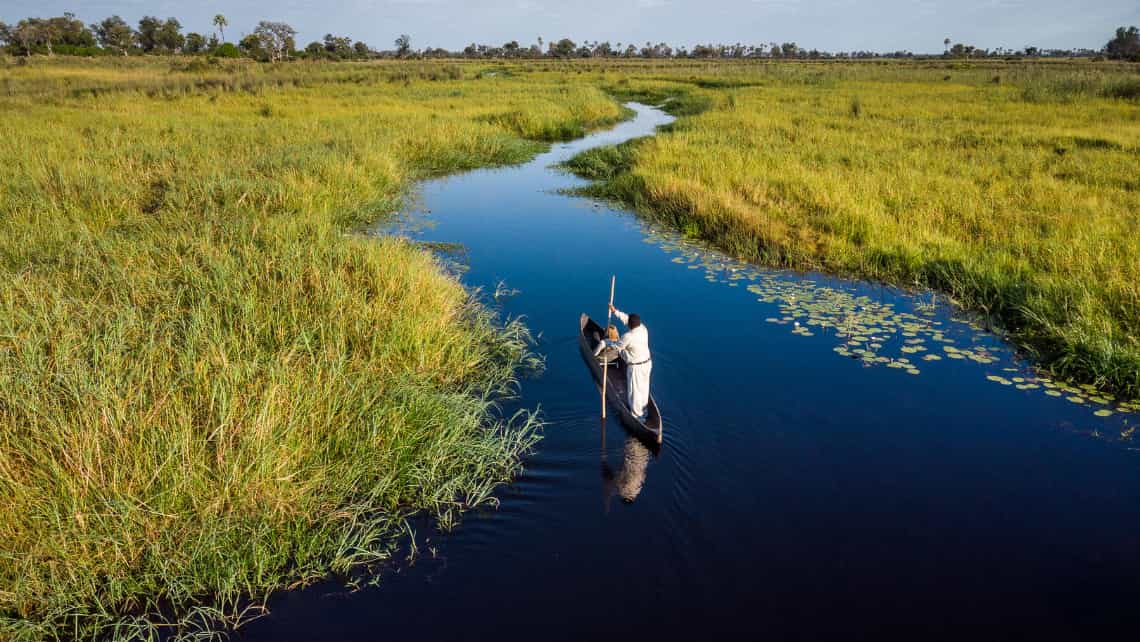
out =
column 611, row 172
column 373, row 534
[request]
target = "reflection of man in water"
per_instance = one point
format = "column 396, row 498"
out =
column 627, row 480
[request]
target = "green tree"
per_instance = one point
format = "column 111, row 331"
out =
column 148, row 33
column 275, row 39
column 44, row 33
column 338, row 46
column 251, row 47
column 226, row 50
column 564, row 48
column 69, row 31
column 960, row 50
column 361, row 48
column 221, row 23
column 1125, row 46
column 195, row 43
column 115, row 34
column 700, row 51
column 31, row 34
column 403, row 45
column 19, row 37
column 169, row 36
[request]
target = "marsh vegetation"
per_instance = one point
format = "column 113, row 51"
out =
column 1013, row 188
column 211, row 388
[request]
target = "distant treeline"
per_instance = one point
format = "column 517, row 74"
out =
column 273, row 41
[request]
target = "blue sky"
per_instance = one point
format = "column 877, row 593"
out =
column 835, row 25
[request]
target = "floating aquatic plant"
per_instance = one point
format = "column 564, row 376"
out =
column 870, row 331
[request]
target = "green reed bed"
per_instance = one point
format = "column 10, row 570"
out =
column 210, row 386
column 1017, row 193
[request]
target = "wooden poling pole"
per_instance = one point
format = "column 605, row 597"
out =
column 605, row 336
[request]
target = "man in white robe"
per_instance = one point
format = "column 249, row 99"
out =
column 634, row 346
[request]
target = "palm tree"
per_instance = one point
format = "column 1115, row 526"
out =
column 221, row 23
column 946, row 43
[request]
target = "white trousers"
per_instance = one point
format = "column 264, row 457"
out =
column 637, row 381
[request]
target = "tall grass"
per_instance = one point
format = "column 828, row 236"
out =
column 210, row 388
column 1019, row 205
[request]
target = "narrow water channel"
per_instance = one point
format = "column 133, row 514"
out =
column 841, row 459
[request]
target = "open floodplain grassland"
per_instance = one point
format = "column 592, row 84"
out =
column 1012, row 186
column 209, row 386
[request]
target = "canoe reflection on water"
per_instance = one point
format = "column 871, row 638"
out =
column 628, row 480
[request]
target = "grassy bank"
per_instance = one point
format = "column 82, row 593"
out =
column 1011, row 187
column 209, row 388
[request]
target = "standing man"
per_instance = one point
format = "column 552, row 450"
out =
column 634, row 346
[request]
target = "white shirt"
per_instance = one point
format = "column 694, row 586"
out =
column 634, row 345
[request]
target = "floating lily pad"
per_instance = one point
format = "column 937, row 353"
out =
column 866, row 328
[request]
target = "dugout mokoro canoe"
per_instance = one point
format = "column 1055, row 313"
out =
column 616, row 396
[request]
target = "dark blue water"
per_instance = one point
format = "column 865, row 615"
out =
column 804, row 490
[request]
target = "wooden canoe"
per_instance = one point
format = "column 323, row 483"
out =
column 616, row 395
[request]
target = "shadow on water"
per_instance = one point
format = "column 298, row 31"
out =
column 841, row 459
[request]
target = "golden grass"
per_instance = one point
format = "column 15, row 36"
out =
column 209, row 387
column 1018, row 197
